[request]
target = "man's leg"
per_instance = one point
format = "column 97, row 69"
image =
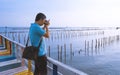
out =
column 36, row 72
column 43, row 65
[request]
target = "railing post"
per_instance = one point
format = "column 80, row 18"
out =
column 85, row 47
column 49, row 51
column 61, row 54
column 23, row 61
column 55, row 69
column 88, row 48
column 1, row 40
column 29, row 66
column 65, row 53
column 58, row 53
column 71, row 51
column 16, row 51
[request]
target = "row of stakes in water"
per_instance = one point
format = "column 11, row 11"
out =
column 90, row 48
column 54, row 36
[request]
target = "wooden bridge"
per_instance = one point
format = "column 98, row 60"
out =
column 11, row 62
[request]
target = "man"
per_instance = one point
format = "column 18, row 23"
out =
column 36, row 32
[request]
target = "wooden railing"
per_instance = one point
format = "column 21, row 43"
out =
column 55, row 67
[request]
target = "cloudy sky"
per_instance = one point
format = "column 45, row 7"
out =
column 70, row 13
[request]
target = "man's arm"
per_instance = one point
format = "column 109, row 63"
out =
column 46, row 35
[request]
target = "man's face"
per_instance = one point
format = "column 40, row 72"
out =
column 42, row 21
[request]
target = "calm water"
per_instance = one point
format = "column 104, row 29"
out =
column 95, row 52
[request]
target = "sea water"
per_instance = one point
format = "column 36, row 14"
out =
column 93, row 51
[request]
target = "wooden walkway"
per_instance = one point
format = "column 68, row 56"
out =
column 13, row 67
column 10, row 66
column 15, row 71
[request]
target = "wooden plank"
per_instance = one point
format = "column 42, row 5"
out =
column 9, row 62
column 2, row 48
column 14, row 71
column 25, row 72
column 7, row 58
column 10, row 66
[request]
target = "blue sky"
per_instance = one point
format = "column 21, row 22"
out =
column 70, row 13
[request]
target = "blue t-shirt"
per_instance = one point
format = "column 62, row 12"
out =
column 35, row 33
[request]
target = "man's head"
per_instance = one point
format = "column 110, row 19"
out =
column 40, row 18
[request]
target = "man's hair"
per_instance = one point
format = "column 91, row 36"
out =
column 40, row 16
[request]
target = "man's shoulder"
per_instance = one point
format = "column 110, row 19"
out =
column 35, row 28
column 33, row 25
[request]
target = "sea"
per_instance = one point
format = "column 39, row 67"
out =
column 93, row 50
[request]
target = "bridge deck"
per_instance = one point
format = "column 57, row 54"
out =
column 9, row 66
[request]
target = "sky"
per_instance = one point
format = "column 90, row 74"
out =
column 62, row 13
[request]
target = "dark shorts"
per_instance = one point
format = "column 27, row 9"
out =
column 41, row 66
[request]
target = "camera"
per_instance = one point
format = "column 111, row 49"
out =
column 46, row 22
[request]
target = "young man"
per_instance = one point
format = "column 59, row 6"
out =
column 36, row 32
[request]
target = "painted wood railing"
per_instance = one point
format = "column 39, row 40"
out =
column 55, row 67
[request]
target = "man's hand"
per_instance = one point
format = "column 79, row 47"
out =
column 47, row 23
